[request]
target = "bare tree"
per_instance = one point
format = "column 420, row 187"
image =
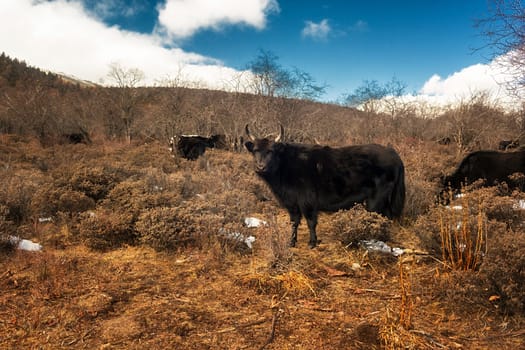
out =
column 374, row 97
column 127, row 97
column 504, row 30
column 271, row 79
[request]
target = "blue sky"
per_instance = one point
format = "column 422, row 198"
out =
column 432, row 46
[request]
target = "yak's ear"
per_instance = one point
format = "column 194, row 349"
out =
column 249, row 146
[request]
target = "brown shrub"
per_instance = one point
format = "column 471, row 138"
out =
column 420, row 196
column 7, row 229
column 357, row 224
column 498, row 286
column 16, row 192
column 94, row 181
column 503, row 271
column 49, row 200
column 169, row 228
column 74, row 202
column 104, row 229
column 445, row 232
column 134, row 196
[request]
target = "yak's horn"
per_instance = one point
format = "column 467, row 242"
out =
column 250, row 136
column 281, row 134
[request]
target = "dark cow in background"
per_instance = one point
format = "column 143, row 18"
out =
column 307, row 179
column 508, row 144
column 80, row 136
column 492, row 166
column 192, row 147
column 444, row 141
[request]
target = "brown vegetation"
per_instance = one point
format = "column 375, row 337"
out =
column 142, row 250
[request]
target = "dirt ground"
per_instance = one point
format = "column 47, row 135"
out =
column 326, row 298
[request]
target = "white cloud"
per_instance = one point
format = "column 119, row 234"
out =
column 316, row 31
column 183, row 18
column 477, row 78
column 63, row 36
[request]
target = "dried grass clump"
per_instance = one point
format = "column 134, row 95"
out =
column 16, row 193
column 357, row 224
column 274, row 245
column 503, row 269
column 493, row 261
column 457, row 235
column 165, row 229
column 7, row 228
column 169, row 228
column 74, row 202
column 508, row 209
column 94, row 181
column 460, row 233
column 135, row 196
column 104, row 230
column 49, row 200
column 420, row 195
column 292, row 283
column 233, row 237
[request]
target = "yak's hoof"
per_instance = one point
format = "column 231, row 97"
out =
column 313, row 244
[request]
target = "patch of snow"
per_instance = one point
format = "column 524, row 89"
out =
column 237, row 236
column 254, row 222
column 380, row 246
column 25, row 244
column 454, row 207
column 520, row 204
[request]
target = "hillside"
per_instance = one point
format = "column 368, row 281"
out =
column 142, row 250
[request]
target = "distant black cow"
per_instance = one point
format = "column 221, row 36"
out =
column 492, row 166
column 444, row 140
column 508, row 144
column 76, row 138
column 193, row 146
column 307, row 179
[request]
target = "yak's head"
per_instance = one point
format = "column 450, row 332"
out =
column 264, row 152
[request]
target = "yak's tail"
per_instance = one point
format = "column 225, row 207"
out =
column 397, row 200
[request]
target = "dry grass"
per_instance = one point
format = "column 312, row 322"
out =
column 144, row 262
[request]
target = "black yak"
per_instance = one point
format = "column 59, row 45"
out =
column 504, row 145
column 192, row 147
column 491, row 166
column 307, row 179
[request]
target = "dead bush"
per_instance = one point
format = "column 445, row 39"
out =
column 234, row 237
column 420, row 195
column 105, row 230
column 74, row 202
column 503, row 270
column 49, row 200
column 134, row 196
column 95, row 182
column 357, row 224
column 16, row 193
column 7, row 229
column 456, row 234
column 499, row 284
column 485, row 208
column 169, row 228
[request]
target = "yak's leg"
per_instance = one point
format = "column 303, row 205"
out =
column 295, row 218
column 311, row 219
column 380, row 201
